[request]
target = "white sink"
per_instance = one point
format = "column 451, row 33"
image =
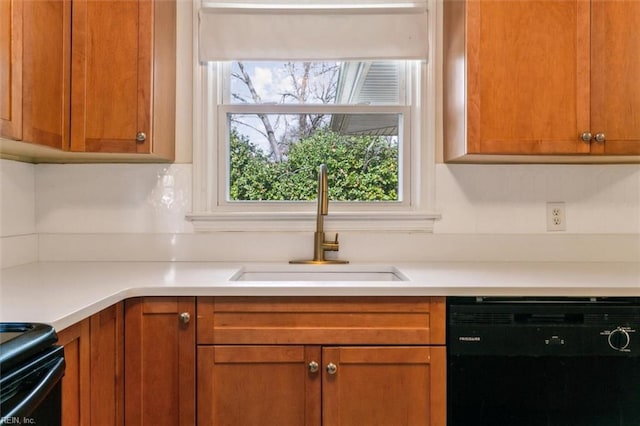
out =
column 319, row 273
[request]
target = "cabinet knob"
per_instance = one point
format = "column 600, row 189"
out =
column 185, row 317
column 141, row 137
column 313, row 367
column 586, row 136
column 332, row 368
column 600, row 137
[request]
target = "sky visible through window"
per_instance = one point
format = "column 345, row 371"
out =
column 279, row 83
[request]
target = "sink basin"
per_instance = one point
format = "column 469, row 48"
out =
column 306, row 274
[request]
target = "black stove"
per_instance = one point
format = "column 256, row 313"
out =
column 31, row 369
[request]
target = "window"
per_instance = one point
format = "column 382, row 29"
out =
column 280, row 120
column 282, row 90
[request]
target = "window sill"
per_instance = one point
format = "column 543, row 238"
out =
column 305, row 221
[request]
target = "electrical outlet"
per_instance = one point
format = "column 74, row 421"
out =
column 556, row 218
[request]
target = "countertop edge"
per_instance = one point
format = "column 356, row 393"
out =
column 44, row 292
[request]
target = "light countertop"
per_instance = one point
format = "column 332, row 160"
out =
column 63, row 293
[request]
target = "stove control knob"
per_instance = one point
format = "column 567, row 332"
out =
column 619, row 339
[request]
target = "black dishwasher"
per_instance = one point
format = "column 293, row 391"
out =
column 543, row 361
column 31, row 369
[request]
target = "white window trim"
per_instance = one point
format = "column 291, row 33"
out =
column 208, row 215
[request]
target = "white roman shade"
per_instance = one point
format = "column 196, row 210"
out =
column 308, row 31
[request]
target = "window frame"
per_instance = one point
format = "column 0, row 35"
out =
column 211, row 211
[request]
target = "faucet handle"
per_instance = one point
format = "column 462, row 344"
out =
column 331, row 245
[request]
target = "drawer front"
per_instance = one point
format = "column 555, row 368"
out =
column 321, row 320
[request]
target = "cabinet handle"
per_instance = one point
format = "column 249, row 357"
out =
column 185, row 317
column 332, row 368
column 141, row 137
column 600, row 137
column 313, row 367
column 586, row 136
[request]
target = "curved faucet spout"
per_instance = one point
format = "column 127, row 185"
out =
column 323, row 197
column 320, row 245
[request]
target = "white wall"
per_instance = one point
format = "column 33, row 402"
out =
column 600, row 199
column 18, row 243
column 473, row 199
column 489, row 212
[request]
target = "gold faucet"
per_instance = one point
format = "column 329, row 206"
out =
column 320, row 245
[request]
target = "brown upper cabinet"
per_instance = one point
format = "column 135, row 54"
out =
column 527, row 80
column 95, row 77
column 34, row 71
column 10, row 69
column 123, row 74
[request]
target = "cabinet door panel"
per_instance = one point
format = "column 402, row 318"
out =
column 76, row 387
column 160, row 367
column 107, row 366
column 11, row 68
column 615, row 65
column 528, row 76
column 111, row 72
column 46, row 72
column 258, row 385
column 384, row 386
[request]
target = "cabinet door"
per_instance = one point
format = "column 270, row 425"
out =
column 401, row 386
column 76, row 398
column 11, row 68
column 615, row 62
column 107, row 366
column 527, row 76
column 516, row 77
column 111, row 74
column 258, row 385
column 46, row 72
column 35, row 71
column 92, row 387
column 160, row 368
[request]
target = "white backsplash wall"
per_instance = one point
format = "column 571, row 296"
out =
column 113, row 198
column 473, row 199
column 18, row 243
column 489, row 199
column 489, row 212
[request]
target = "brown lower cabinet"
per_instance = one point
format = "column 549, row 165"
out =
column 312, row 385
column 299, row 361
column 305, row 361
column 76, row 384
column 160, row 364
column 93, row 384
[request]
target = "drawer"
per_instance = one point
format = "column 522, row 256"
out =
column 321, row 320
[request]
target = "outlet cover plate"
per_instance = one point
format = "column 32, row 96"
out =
column 556, row 217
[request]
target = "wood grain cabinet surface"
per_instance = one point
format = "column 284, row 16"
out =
column 534, row 78
column 123, row 74
column 160, row 362
column 96, row 77
column 35, row 71
column 299, row 361
column 321, row 361
column 92, row 387
column 76, row 383
column 11, row 68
